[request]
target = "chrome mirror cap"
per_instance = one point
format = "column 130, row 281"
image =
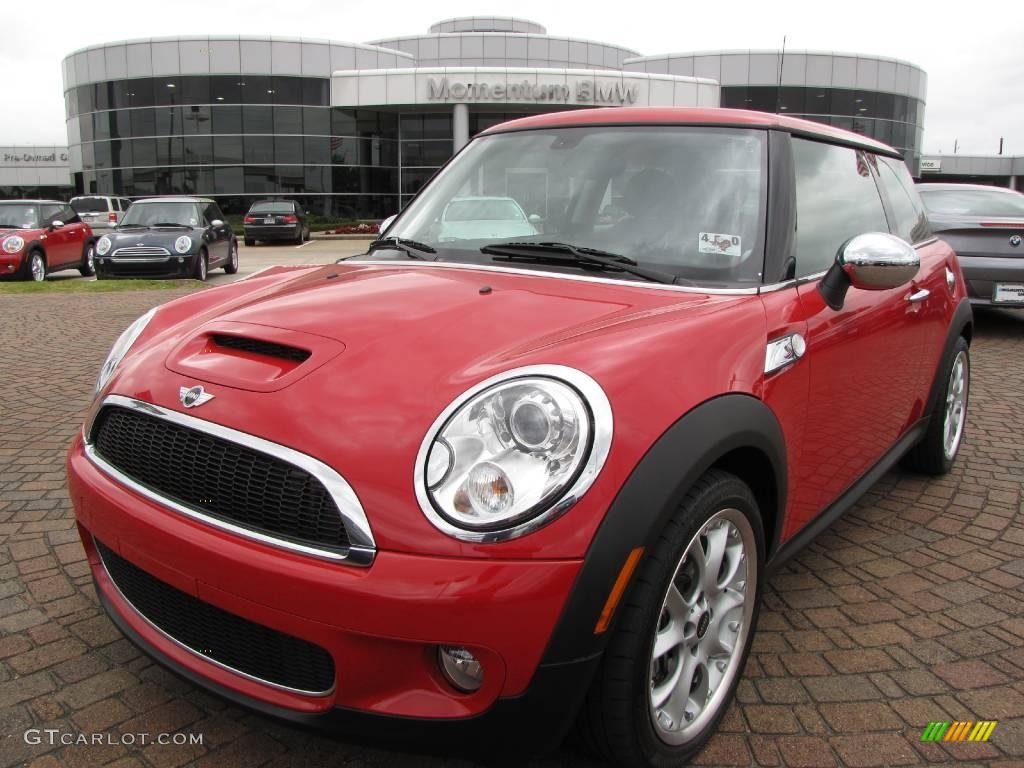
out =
column 878, row 261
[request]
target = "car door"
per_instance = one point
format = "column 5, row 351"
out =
column 863, row 360
column 57, row 244
column 219, row 234
column 76, row 233
column 935, row 299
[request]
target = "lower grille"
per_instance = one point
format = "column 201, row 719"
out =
column 239, row 644
column 220, row 479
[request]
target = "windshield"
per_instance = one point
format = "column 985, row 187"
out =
column 152, row 214
column 683, row 200
column 89, row 204
column 973, row 202
column 19, row 215
column 272, row 208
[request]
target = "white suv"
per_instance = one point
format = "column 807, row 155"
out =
column 99, row 211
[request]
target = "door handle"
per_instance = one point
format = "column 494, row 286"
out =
column 920, row 295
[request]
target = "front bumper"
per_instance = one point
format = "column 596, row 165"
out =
column 381, row 625
column 983, row 272
column 11, row 263
column 272, row 231
column 170, row 266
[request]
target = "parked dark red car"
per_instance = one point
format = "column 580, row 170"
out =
column 485, row 490
column 42, row 236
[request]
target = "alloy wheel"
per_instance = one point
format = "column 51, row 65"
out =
column 705, row 619
column 956, row 405
column 37, row 267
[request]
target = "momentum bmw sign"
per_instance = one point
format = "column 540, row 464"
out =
column 581, row 91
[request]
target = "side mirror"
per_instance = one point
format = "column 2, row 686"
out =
column 216, row 223
column 386, row 223
column 535, row 219
column 57, row 224
column 875, row 261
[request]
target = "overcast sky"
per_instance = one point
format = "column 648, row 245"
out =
column 972, row 50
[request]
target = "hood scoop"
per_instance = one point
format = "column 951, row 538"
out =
column 258, row 358
column 260, row 347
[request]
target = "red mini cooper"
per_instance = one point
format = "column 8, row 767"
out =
column 38, row 237
column 489, row 488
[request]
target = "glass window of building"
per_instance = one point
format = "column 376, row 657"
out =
column 258, row 149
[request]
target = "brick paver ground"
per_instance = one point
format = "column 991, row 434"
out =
column 910, row 609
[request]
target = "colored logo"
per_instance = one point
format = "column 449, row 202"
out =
column 959, row 730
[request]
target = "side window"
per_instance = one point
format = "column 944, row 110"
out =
column 911, row 222
column 68, row 215
column 836, row 198
column 51, row 213
column 212, row 213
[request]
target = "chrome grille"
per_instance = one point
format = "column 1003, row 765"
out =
column 141, row 252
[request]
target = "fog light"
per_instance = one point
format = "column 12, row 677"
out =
column 460, row 667
column 181, row 260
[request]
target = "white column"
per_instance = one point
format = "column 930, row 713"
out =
column 460, row 126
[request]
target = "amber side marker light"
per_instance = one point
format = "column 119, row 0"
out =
column 617, row 590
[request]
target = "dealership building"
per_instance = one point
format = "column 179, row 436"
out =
column 357, row 129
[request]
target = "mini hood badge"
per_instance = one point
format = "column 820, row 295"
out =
column 194, row 397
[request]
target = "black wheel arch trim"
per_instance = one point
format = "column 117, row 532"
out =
column 962, row 324
column 655, row 488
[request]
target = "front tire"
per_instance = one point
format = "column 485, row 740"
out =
column 938, row 449
column 201, row 268
column 232, row 265
column 88, row 268
column 683, row 632
column 35, row 267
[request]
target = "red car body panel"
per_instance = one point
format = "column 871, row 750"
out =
column 62, row 247
column 416, row 336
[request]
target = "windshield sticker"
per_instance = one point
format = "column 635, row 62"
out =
column 718, row 244
column 193, row 222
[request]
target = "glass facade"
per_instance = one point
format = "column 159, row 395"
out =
column 890, row 118
column 239, row 138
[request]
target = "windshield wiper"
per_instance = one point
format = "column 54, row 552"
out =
column 122, row 225
column 558, row 252
column 169, row 224
column 411, row 248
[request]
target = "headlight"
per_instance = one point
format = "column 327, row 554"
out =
column 120, row 349
column 13, row 244
column 513, row 453
column 183, row 244
column 103, row 246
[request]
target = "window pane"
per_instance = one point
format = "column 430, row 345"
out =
column 259, row 179
column 431, row 153
column 198, row 181
column 288, row 149
column 258, row 119
column 911, row 222
column 122, row 125
column 228, row 180
column 196, row 119
column 792, row 100
column 168, row 121
column 844, row 102
column 259, row 149
column 101, row 125
column 198, row 149
column 143, row 122
column 102, row 154
column 316, row 91
column 102, row 95
column 256, row 89
column 120, row 153
column 317, row 179
column 227, row 119
column 227, row 149
column 195, row 89
column 143, row 152
column 343, row 122
column 85, row 127
column 170, row 151
column 166, row 90
column 88, row 161
column 316, row 150
column 287, row 120
column 836, row 198
column 316, row 120
column 144, row 181
column 290, row 178
column 225, row 89
column 286, row 90
column 86, row 98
